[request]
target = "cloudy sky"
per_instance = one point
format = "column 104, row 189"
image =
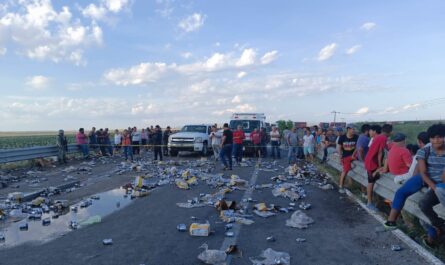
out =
column 114, row 63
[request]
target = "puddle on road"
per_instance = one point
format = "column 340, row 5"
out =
column 108, row 203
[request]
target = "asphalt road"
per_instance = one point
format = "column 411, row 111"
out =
column 145, row 232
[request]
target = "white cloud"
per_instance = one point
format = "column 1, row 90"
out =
column 42, row 33
column 241, row 74
column 241, row 108
column 236, row 99
column 248, row 57
column 368, row 26
column 186, row 55
column 102, row 10
column 143, row 73
column 327, row 52
column 353, row 49
column 362, row 111
column 269, row 57
column 3, row 51
column 192, row 23
column 38, row 82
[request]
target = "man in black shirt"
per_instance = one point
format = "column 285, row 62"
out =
column 157, row 142
column 167, row 134
column 347, row 151
column 226, row 147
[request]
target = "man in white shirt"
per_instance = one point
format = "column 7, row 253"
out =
column 215, row 137
column 275, row 138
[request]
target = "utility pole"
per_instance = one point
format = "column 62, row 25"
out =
column 335, row 115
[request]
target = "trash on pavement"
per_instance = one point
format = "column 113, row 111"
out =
column 197, row 229
column 264, row 214
column 272, row 257
column 107, row 242
column 225, row 205
column 237, row 181
column 46, row 221
column 396, row 248
column 305, row 206
column 190, row 205
column 270, row 239
column 181, row 227
column 327, row 187
column 212, row 256
column 182, row 184
column 16, row 196
column 23, row 227
column 300, row 240
column 299, row 220
column 2, row 237
column 230, row 234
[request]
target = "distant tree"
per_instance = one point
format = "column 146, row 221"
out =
column 282, row 124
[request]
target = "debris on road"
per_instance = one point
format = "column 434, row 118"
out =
column 300, row 240
column 212, row 256
column 396, row 248
column 197, row 229
column 107, row 242
column 270, row 239
column 181, row 227
column 299, row 220
column 272, row 257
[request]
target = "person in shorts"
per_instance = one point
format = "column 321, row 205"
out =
column 374, row 161
column 308, row 144
column 347, row 144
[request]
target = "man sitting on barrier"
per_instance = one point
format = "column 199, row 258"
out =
column 411, row 186
column 399, row 159
column 431, row 160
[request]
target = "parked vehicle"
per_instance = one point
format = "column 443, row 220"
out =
column 249, row 121
column 192, row 138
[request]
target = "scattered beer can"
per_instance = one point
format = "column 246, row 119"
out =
column 270, row 239
column 46, row 221
column 2, row 237
column 107, row 241
column 300, row 240
column 181, row 227
column 23, row 227
column 396, row 248
column 230, row 234
column 228, row 226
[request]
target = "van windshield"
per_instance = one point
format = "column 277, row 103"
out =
column 248, row 125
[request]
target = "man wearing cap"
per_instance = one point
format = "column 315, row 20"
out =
column 347, row 151
column 226, row 147
column 399, row 159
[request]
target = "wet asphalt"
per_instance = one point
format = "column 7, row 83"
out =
column 144, row 232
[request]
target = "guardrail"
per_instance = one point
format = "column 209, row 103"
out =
column 20, row 154
column 385, row 187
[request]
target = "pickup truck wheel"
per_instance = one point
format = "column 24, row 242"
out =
column 204, row 149
column 173, row 152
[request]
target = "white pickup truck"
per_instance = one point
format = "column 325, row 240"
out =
column 192, row 138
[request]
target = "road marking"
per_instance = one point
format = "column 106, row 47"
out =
column 245, row 204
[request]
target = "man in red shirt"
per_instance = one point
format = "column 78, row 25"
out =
column 374, row 161
column 238, row 138
column 399, row 157
column 256, row 140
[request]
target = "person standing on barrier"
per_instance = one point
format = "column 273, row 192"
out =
column 62, row 147
column 238, row 138
column 157, row 142
column 411, row 186
column 374, row 161
column 275, row 138
column 292, row 141
column 215, row 138
column 165, row 137
column 347, row 152
column 226, row 147
column 126, row 145
column 82, row 142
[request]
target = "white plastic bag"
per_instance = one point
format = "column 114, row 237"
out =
column 272, row 257
column 299, row 220
column 212, row 256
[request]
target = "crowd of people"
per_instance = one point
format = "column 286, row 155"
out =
column 414, row 166
column 129, row 142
